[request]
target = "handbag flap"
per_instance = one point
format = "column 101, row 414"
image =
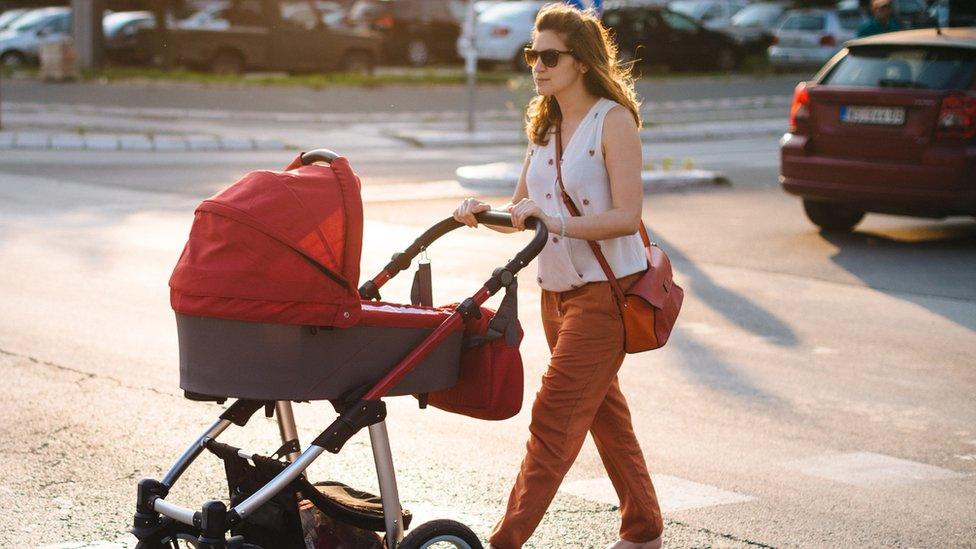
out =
column 655, row 286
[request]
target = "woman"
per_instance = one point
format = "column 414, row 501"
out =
column 586, row 96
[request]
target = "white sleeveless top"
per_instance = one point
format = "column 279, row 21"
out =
column 568, row 263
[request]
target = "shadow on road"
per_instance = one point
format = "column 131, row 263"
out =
column 932, row 265
column 700, row 359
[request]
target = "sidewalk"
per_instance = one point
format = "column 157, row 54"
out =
column 663, row 133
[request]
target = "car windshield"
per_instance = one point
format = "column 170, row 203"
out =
column 505, row 10
column 758, row 15
column 31, row 20
column 804, row 22
column 114, row 22
column 905, row 67
column 690, row 8
column 9, row 16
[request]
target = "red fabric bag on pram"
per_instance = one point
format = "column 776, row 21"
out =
column 490, row 380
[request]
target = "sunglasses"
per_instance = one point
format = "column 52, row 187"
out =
column 550, row 58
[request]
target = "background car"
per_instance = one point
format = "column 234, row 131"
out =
column 911, row 13
column 9, row 16
column 658, row 36
column 414, row 31
column 752, row 27
column 21, row 42
column 502, row 31
column 888, row 126
column 122, row 34
column 809, row 37
column 711, row 14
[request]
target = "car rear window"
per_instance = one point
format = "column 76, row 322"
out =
column 804, row 22
column 936, row 68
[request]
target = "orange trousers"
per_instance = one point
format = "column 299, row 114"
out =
column 580, row 393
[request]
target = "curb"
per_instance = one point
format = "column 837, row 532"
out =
column 670, row 133
column 28, row 140
column 501, row 177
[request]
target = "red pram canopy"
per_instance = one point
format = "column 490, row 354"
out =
column 280, row 247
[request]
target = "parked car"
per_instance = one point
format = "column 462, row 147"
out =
column 502, row 31
column 753, row 26
column 911, row 13
column 809, row 37
column 413, row 31
column 122, row 32
column 255, row 36
column 888, row 125
column 658, row 36
column 9, row 16
column 711, row 14
column 21, row 42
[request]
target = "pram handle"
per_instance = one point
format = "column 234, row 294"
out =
column 318, row 155
column 401, row 261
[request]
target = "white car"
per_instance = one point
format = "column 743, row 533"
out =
column 502, row 31
column 711, row 14
column 810, row 37
column 21, row 42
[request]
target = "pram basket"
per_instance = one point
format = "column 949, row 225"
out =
column 390, row 350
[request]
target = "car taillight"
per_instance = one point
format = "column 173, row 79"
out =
column 828, row 40
column 775, row 40
column 500, row 31
column 800, row 109
column 957, row 117
column 383, row 22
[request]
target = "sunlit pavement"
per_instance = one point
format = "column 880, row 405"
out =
column 818, row 390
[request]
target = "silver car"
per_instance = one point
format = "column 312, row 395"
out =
column 21, row 42
column 810, row 37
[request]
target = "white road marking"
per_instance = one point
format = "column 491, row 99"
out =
column 824, row 351
column 673, row 493
column 870, row 469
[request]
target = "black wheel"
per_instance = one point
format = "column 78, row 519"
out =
column 227, row 63
column 358, row 62
column 13, row 59
column 440, row 534
column 183, row 541
column 831, row 216
column 417, row 52
column 725, row 61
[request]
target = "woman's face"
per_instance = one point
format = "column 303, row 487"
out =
column 566, row 73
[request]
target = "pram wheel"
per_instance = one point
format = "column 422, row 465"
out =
column 441, row 534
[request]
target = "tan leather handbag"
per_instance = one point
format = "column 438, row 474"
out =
column 651, row 305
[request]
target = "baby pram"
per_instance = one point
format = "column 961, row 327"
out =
column 268, row 312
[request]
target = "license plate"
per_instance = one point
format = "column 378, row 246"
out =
column 882, row 116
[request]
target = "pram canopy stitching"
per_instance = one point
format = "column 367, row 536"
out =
column 278, row 247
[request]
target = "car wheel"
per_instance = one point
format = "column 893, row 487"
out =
column 358, row 62
column 418, row 52
column 227, row 63
column 832, row 216
column 725, row 61
column 12, row 59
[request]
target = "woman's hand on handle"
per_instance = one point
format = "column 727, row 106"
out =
column 466, row 210
column 524, row 209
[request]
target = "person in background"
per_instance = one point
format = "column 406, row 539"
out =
column 881, row 20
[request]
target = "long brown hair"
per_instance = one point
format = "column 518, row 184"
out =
column 593, row 46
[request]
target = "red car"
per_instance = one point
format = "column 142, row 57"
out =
column 888, row 125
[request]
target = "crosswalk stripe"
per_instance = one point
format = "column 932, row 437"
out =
column 870, row 469
column 673, row 493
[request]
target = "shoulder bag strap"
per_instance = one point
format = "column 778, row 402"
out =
column 601, row 259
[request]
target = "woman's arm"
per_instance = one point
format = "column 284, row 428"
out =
column 622, row 155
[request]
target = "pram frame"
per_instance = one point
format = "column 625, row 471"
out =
column 156, row 518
